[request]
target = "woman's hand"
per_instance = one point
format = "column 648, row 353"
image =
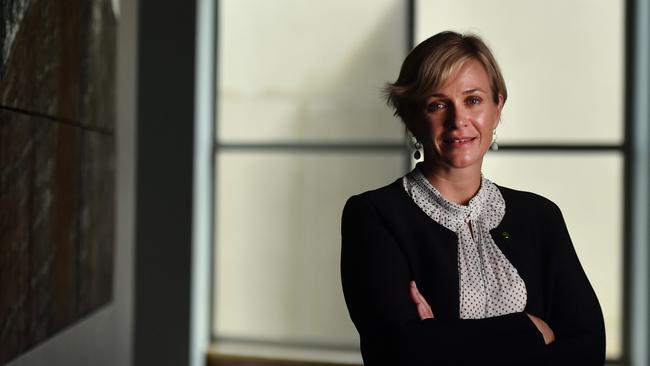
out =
column 424, row 310
column 543, row 328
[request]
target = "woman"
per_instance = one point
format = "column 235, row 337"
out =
column 444, row 267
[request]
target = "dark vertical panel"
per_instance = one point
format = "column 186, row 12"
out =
column 94, row 255
column 59, row 59
column 16, row 152
column 44, row 201
column 56, row 166
column 96, row 101
column 164, row 186
column 41, row 71
column 61, row 163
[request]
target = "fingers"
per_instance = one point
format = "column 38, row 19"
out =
column 415, row 294
column 424, row 310
column 544, row 328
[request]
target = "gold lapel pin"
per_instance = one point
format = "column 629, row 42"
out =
column 505, row 235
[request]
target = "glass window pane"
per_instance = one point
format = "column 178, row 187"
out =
column 294, row 70
column 563, row 62
column 588, row 189
column 278, row 242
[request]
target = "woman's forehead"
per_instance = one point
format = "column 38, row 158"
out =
column 466, row 77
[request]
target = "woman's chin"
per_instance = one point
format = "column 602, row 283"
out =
column 463, row 162
column 449, row 160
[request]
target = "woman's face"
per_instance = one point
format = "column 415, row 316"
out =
column 458, row 119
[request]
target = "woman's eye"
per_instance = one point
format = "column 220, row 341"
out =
column 473, row 100
column 436, row 106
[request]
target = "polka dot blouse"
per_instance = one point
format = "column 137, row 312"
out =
column 489, row 284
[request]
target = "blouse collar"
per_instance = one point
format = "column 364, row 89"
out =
column 487, row 205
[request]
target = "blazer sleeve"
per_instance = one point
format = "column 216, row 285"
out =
column 575, row 314
column 375, row 278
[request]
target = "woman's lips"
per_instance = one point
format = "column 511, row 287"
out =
column 458, row 141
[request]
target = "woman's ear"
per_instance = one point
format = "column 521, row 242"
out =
column 413, row 124
column 412, row 130
column 499, row 109
column 408, row 123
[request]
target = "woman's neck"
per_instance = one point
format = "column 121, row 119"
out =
column 456, row 185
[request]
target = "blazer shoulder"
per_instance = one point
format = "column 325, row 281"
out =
column 528, row 201
column 388, row 204
column 380, row 198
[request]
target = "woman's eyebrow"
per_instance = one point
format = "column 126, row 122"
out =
column 468, row 91
column 474, row 90
column 437, row 95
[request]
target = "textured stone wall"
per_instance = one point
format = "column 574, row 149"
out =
column 57, row 67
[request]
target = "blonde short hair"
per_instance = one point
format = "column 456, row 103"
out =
column 430, row 64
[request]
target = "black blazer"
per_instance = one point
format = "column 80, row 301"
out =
column 387, row 241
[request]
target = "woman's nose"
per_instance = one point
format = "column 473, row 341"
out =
column 456, row 118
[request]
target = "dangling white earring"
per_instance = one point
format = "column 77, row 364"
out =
column 418, row 146
column 494, row 146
